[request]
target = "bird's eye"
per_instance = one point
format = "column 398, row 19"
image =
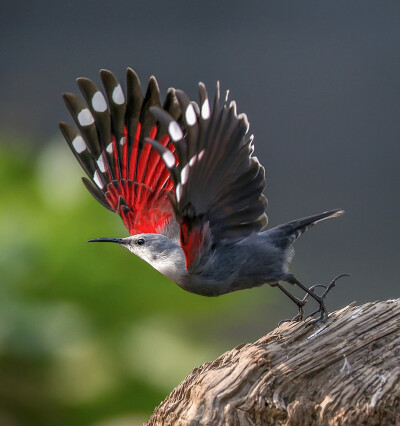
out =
column 140, row 241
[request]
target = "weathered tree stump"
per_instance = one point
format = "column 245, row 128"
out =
column 343, row 372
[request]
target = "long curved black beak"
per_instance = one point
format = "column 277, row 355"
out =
column 107, row 240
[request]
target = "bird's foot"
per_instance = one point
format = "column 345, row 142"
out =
column 322, row 310
column 320, row 299
column 299, row 302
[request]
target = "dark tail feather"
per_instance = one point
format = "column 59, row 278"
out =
column 289, row 232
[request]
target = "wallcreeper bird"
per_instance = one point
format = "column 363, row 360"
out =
column 184, row 180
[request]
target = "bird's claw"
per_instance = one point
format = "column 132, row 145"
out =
column 321, row 300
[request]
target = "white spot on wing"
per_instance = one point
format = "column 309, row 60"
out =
column 205, row 110
column 100, row 163
column 178, row 192
column 168, row 158
column 98, row 102
column 175, row 131
column 118, row 96
column 97, row 179
column 79, row 144
column 201, row 155
column 193, row 160
column 109, row 148
column 185, row 174
column 122, row 140
column 190, row 115
column 85, row 117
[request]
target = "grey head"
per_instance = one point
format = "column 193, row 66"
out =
column 163, row 254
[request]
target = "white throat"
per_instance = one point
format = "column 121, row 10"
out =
column 163, row 254
column 172, row 267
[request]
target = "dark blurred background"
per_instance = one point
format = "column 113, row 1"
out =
column 90, row 335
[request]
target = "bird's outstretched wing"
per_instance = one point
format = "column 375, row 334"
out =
column 126, row 175
column 218, row 183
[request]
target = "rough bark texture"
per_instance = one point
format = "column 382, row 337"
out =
column 344, row 372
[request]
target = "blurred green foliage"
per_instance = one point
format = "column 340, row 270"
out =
column 89, row 334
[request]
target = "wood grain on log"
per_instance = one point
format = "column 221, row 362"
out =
column 343, row 372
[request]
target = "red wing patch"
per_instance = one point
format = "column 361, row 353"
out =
column 140, row 197
column 193, row 239
column 141, row 209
